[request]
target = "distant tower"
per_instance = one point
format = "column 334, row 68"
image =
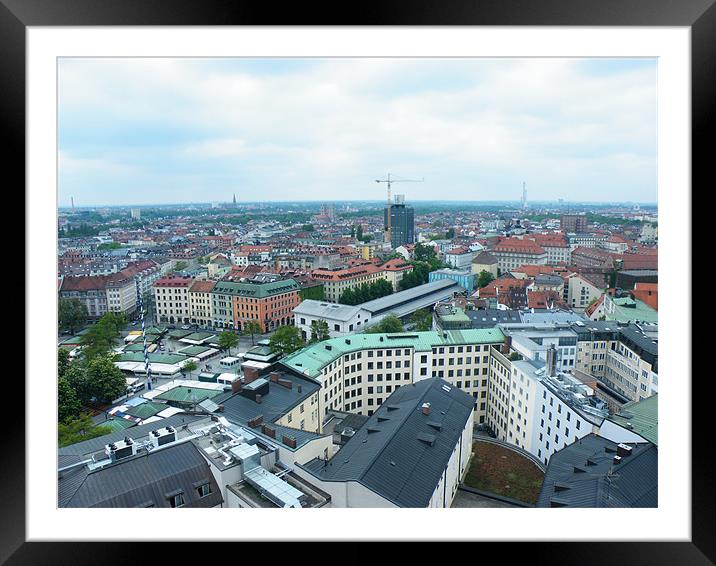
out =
column 524, row 195
column 234, row 200
column 73, row 203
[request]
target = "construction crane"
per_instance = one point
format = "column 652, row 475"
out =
column 388, row 237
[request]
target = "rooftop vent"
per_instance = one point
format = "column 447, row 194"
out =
column 425, row 409
column 617, row 459
column 623, row 450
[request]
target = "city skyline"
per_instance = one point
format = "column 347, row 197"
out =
column 156, row 131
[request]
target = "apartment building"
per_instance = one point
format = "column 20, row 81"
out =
column 512, row 253
column 533, row 340
column 484, row 261
column 269, row 303
column 459, row 258
column 538, row 408
column 394, row 271
column 573, row 223
column 556, row 246
column 222, row 304
column 357, row 373
column 101, row 294
column 593, row 343
column 336, row 281
column 580, row 291
column 412, row 452
column 200, row 303
column 632, row 362
column 171, row 299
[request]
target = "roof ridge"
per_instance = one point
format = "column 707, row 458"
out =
column 395, row 429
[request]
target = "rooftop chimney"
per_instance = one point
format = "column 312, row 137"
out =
column 425, row 408
column 506, row 345
column 273, row 376
column 551, row 361
column 268, row 431
column 289, row 441
column 258, row 398
column 250, row 374
column 256, row 421
column 236, row 386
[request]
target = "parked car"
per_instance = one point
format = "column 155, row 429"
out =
column 185, row 327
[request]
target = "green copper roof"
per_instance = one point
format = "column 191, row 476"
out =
column 153, row 358
column 187, row 395
column 145, row 410
column 255, row 290
column 313, row 358
column 193, row 350
column 643, row 416
column 627, row 309
column 116, row 424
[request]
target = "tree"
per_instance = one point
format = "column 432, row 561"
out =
column 450, row 234
column 71, row 314
column 180, row 266
column 100, row 337
column 390, row 323
column 315, row 292
column 189, row 367
column 68, row 405
column 307, row 227
column 79, row 429
column 424, row 253
column 366, row 292
column 319, row 331
column 286, row 340
column 484, row 278
column 228, row 340
column 359, row 231
column 105, row 380
column 252, row 328
column 63, row 361
column 422, row 320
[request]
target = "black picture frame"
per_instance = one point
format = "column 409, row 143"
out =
column 698, row 15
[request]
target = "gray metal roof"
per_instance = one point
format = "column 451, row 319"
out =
column 392, row 455
column 643, row 340
column 149, row 480
column 136, row 432
column 443, row 287
column 276, row 403
column 583, row 475
column 489, row 318
column 550, row 317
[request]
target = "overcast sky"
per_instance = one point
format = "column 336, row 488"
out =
column 150, row 131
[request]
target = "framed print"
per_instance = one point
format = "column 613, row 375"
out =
column 71, row 70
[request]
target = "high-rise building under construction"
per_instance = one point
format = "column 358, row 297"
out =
column 402, row 222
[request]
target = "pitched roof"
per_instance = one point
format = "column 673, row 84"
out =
column 583, row 474
column 149, row 480
column 401, row 453
column 641, row 417
column 485, row 258
column 202, row 286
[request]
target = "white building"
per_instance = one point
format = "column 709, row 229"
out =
column 538, row 408
column 341, row 319
column 357, row 373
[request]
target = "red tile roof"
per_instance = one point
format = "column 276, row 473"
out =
column 202, row 286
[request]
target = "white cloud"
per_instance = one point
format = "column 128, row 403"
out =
column 331, row 124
